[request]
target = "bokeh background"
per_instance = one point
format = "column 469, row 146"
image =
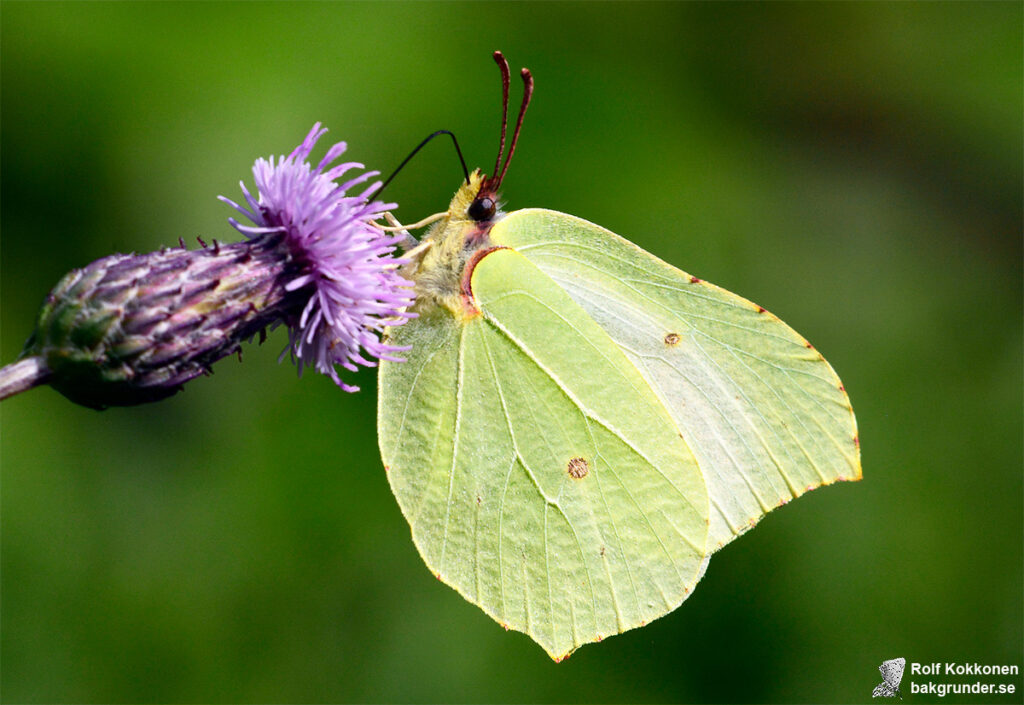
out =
column 855, row 168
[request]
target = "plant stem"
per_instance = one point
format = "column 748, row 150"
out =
column 22, row 375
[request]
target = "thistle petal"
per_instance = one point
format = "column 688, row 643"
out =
column 346, row 264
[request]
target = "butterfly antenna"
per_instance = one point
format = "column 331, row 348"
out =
column 527, row 94
column 421, row 145
column 499, row 59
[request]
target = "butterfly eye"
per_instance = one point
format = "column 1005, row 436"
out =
column 481, row 209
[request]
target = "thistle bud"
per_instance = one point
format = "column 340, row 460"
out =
column 129, row 329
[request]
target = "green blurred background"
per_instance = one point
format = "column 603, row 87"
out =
column 854, row 168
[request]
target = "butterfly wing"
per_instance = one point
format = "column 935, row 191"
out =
column 762, row 411
column 541, row 476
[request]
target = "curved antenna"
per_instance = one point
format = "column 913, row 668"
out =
column 527, row 94
column 412, row 154
column 499, row 59
column 494, row 181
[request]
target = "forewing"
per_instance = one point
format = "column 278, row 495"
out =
column 761, row 409
column 541, row 477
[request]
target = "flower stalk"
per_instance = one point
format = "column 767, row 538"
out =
column 22, row 375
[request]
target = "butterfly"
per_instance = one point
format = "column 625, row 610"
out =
column 580, row 425
column 892, row 674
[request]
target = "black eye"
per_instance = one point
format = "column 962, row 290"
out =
column 481, row 208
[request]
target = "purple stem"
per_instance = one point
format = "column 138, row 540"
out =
column 22, row 375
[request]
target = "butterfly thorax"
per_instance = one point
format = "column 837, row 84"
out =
column 440, row 273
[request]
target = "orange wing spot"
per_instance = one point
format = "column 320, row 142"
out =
column 505, row 626
column 808, row 346
column 856, row 441
column 437, row 575
column 842, row 388
column 760, row 309
column 577, row 468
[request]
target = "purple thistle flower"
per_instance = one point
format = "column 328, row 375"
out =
column 130, row 329
column 345, row 263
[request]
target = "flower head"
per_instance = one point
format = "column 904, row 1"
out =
column 344, row 263
column 131, row 329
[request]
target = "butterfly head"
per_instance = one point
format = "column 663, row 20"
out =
column 474, row 205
